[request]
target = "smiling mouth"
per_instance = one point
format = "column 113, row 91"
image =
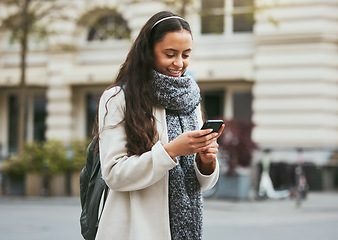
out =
column 173, row 71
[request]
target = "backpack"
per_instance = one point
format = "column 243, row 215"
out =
column 92, row 190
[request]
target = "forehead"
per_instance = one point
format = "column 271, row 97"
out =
column 177, row 40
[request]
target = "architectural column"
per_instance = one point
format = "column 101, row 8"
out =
column 59, row 100
column 59, row 93
column 296, row 77
column 3, row 124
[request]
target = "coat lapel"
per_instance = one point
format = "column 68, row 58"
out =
column 161, row 124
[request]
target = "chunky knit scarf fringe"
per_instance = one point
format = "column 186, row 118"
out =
column 180, row 96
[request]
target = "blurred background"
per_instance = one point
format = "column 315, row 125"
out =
column 267, row 67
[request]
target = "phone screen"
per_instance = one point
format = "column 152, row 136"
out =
column 215, row 125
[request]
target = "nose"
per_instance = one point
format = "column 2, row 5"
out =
column 178, row 62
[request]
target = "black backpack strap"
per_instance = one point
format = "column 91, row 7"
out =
column 106, row 188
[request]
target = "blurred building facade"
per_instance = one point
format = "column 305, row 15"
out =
column 280, row 70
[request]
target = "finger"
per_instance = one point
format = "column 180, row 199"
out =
column 212, row 142
column 220, row 131
column 203, row 148
column 200, row 133
column 209, row 143
column 211, row 149
column 208, row 157
column 207, row 139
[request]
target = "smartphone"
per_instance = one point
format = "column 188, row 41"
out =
column 215, row 125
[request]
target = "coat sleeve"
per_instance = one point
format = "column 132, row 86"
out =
column 206, row 181
column 122, row 172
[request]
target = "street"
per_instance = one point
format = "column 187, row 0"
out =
column 58, row 218
column 317, row 218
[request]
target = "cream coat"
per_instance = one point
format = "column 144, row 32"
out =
column 137, row 203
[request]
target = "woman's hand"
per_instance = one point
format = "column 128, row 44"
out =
column 192, row 142
column 199, row 141
column 209, row 155
column 206, row 160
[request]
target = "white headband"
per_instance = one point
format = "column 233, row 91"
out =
column 166, row 18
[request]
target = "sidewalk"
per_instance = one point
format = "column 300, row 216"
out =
column 317, row 218
column 58, row 218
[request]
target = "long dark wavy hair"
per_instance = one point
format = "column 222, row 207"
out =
column 135, row 76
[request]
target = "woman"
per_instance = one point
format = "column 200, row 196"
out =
column 153, row 157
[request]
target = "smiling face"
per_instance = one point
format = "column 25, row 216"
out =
column 172, row 54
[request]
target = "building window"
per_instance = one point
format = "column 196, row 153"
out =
column 13, row 114
column 242, row 108
column 35, row 107
column 213, row 103
column 212, row 17
column 109, row 27
column 243, row 15
column 40, row 114
column 226, row 17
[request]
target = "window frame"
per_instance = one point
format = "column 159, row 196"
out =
column 33, row 98
column 103, row 23
column 228, row 12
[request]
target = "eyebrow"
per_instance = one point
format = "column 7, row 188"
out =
column 174, row 50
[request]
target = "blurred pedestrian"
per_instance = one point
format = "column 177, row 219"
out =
column 301, row 182
column 154, row 158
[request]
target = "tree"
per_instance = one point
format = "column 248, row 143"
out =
column 181, row 5
column 23, row 23
column 237, row 143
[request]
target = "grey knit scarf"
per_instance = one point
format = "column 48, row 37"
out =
column 180, row 96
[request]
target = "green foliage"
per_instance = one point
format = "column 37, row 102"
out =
column 32, row 160
column 56, row 157
column 14, row 167
column 79, row 148
column 33, row 157
column 50, row 157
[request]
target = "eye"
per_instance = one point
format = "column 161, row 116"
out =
column 170, row 55
column 186, row 55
